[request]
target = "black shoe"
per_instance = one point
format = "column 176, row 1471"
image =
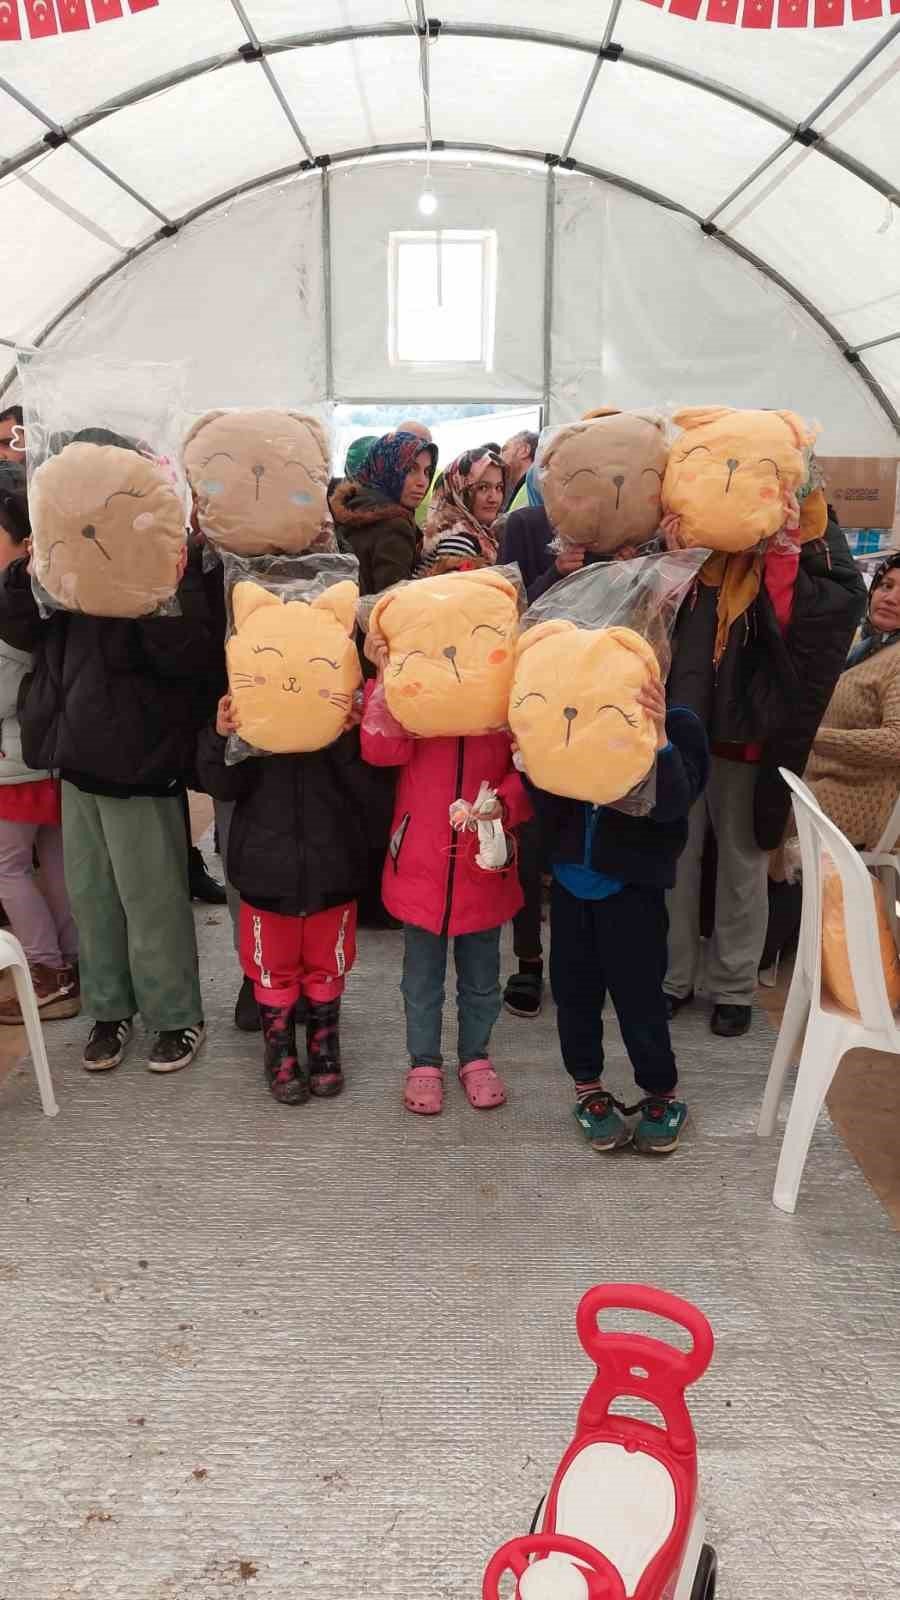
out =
column 246, row 1012
column 730, row 1022
column 674, row 1003
column 175, row 1048
column 106, row 1045
column 524, row 992
column 202, row 886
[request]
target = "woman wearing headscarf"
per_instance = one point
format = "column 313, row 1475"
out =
column 464, row 507
column 374, row 509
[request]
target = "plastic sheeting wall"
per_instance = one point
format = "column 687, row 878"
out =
column 645, row 308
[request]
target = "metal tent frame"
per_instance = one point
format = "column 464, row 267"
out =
column 606, row 54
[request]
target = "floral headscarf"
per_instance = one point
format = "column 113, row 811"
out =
column 357, row 452
column 450, row 506
column 390, row 459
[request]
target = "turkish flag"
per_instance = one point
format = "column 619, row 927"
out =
column 758, row 13
column 106, row 10
column 73, row 15
column 9, row 20
column 863, row 9
column 722, row 11
column 41, row 18
column 141, row 5
column 829, row 14
column 794, row 13
column 685, row 8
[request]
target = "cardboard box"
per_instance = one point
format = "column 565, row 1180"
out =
column 862, row 489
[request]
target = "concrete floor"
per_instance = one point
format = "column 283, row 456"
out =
column 330, row 1352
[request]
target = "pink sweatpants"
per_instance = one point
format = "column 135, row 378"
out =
column 42, row 923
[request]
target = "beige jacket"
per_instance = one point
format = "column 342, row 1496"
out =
column 854, row 767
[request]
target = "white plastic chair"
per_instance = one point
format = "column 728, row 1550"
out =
column 885, row 862
column 823, row 1029
column 13, row 956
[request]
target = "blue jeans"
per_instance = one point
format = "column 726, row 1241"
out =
column 477, row 957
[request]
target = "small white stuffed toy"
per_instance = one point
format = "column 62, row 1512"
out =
column 493, row 846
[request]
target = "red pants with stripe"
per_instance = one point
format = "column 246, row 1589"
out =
column 286, row 957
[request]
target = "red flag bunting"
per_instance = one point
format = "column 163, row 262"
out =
column 106, row 10
column 863, row 10
column 685, row 8
column 10, row 27
column 141, row 5
column 758, row 13
column 829, row 13
column 722, row 11
column 41, row 18
column 793, row 13
column 73, row 15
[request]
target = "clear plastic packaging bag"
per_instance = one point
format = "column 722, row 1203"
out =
column 293, row 667
column 493, row 843
column 259, row 479
column 106, row 494
column 588, row 647
column 451, row 646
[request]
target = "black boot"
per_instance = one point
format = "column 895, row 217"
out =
column 202, row 886
column 288, row 1081
column 323, row 1047
column 246, row 1011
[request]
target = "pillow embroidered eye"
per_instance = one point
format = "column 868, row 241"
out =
column 574, row 711
column 451, row 642
column 602, row 479
column 108, row 531
column 729, row 471
column 293, row 667
column 259, row 480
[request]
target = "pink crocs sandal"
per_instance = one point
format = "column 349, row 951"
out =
column 484, row 1088
column 423, row 1091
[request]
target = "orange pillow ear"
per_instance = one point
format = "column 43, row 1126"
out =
column 340, row 599
column 377, row 612
column 699, row 416
column 639, row 646
column 249, row 597
column 542, row 630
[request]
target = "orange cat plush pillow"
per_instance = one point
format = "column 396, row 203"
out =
column 259, row 480
column 292, row 667
column 729, row 471
column 602, row 479
column 451, row 642
column 574, row 710
column 108, row 531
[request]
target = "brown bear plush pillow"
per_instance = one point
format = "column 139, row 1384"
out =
column 602, row 479
column 259, row 480
column 108, row 531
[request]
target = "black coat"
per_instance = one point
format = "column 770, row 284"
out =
column 109, row 703
column 299, row 839
column 768, row 689
column 526, row 541
column 635, row 849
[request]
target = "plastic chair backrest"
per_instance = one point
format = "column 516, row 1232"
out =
column 888, row 840
column 809, row 948
column 817, row 835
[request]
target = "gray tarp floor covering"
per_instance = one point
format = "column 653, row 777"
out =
column 330, row 1351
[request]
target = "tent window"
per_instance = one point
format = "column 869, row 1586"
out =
column 442, row 290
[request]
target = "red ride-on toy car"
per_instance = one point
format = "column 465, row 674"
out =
column 622, row 1520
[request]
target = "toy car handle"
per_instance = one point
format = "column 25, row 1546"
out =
column 689, row 1366
column 603, row 1581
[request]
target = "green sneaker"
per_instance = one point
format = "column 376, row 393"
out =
column 660, row 1125
column 601, row 1122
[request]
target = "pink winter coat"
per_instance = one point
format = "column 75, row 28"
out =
column 431, row 878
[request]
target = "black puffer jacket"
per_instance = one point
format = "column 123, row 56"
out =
column 768, row 689
column 299, row 840
column 110, row 704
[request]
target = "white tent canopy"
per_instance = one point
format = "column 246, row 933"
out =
column 681, row 212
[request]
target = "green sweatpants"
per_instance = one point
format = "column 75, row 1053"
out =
column 126, row 873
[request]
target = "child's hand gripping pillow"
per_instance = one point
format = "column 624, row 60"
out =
column 730, row 472
column 574, row 710
column 108, row 531
column 259, row 479
column 451, row 642
column 292, row 667
column 602, row 480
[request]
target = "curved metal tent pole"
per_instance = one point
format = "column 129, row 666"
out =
column 532, row 157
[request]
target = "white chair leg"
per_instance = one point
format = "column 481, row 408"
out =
column 787, row 1045
column 822, row 1051
column 32, row 1021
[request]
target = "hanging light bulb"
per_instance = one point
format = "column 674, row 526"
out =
column 428, row 203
